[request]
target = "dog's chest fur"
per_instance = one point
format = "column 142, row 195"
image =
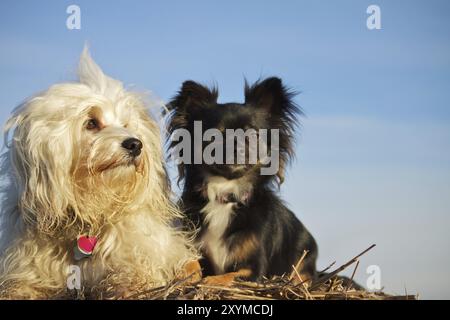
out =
column 217, row 217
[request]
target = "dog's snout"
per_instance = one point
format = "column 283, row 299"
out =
column 133, row 145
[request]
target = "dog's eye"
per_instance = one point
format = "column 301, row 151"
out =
column 92, row 124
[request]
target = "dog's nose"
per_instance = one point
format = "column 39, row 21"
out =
column 133, row 145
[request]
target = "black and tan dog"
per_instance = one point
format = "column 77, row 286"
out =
column 244, row 228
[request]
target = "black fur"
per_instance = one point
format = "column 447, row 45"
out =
column 280, row 237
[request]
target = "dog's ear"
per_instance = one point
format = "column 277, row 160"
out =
column 40, row 154
column 272, row 97
column 193, row 96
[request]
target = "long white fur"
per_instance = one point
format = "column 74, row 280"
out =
column 218, row 216
column 62, row 181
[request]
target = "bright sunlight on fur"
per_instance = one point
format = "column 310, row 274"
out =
column 85, row 158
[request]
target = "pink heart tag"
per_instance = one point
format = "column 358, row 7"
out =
column 86, row 244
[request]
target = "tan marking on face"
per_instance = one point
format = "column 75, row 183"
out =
column 106, row 116
column 97, row 114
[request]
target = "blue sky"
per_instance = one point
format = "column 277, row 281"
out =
column 373, row 157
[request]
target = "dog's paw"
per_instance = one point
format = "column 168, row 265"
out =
column 193, row 271
column 224, row 280
column 227, row 279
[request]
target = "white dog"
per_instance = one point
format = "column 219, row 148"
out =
column 87, row 188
